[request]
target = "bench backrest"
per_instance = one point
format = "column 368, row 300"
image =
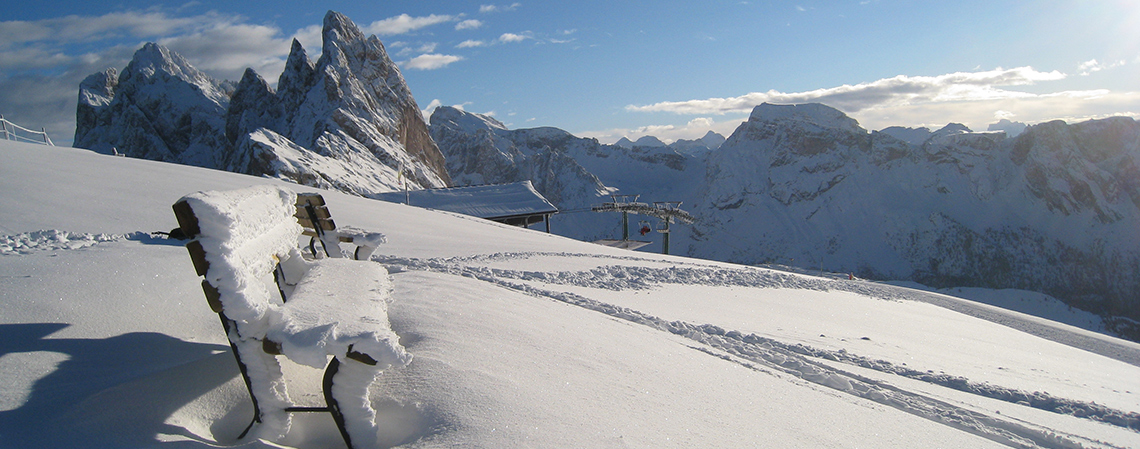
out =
column 240, row 236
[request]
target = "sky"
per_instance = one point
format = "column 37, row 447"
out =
column 606, row 69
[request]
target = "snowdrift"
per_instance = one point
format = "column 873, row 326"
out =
column 519, row 338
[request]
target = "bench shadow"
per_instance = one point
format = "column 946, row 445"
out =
column 109, row 392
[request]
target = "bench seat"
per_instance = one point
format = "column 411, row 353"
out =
column 318, row 321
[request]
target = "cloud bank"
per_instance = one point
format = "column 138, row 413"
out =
column 975, row 99
column 901, row 90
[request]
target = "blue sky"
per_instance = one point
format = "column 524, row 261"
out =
column 609, row 69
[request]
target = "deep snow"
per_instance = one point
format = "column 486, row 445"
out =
column 519, row 338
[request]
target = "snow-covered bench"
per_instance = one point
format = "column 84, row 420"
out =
column 272, row 301
column 318, row 224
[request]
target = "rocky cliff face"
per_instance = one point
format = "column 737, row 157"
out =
column 347, row 122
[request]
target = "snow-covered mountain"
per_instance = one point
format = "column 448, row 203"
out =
column 710, row 141
column 1052, row 210
column 347, row 121
column 573, row 173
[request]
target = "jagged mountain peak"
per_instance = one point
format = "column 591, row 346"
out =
column 460, row 120
column 1011, row 128
column 815, row 114
column 154, row 63
column 648, row 141
column 712, row 140
column 347, row 122
column 99, row 88
column 952, row 128
column 347, row 30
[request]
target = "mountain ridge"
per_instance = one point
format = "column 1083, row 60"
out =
column 347, row 121
column 805, row 185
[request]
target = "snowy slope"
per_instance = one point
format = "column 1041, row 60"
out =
column 519, row 338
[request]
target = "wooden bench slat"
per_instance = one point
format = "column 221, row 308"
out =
column 321, row 212
column 310, row 198
column 198, row 256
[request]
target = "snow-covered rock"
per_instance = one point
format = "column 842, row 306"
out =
column 160, row 107
column 347, row 121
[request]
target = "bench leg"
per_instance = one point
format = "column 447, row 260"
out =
column 349, row 402
column 333, row 405
column 244, row 376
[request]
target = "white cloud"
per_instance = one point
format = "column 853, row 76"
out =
column 133, row 24
column 427, row 111
column 1092, row 65
column 511, row 37
column 471, row 43
column 407, row 49
column 310, row 38
column 494, row 8
column 899, row 90
column 975, row 99
column 469, row 24
column 226, row 50
column 404, row 23
column 1070, row 106
column 700, row 122
column 33, row 57
column 431, row 61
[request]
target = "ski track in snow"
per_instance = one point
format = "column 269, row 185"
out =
column 52, row 239
column 795, row 359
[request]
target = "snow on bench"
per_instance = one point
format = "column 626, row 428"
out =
column 243, row 241
column 314, row 216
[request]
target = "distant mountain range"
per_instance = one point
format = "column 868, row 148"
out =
column 1052, row 207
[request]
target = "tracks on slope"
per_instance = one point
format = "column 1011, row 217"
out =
column 797, row 360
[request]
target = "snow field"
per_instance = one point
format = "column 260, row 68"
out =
column 520, row 339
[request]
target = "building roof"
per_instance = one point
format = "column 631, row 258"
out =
column 499, row 202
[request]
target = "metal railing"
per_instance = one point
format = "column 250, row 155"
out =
column 12, row 131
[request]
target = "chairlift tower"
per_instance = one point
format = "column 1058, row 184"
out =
column 624, row 204
column 666, row 211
